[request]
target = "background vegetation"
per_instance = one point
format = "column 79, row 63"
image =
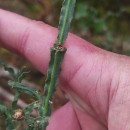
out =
column 104, row 23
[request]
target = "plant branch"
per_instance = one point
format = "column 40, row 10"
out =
column 57, row 55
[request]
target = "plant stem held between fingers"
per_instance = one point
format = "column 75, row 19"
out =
column 56, row 56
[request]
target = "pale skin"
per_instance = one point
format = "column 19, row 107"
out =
column 96, row 82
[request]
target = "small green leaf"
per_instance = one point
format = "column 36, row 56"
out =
column 25, row 89
column 21, row 74
column 28, row 109
column 7, row 68
column 9, row 124
column 9, row 121
column 3, row 109
column 30, row 127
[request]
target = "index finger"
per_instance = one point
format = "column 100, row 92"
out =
column 30, row 38
column 33, row 40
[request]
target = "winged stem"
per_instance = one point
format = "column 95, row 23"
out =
column 56, row 57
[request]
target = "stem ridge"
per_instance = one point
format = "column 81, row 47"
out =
column 56, row 56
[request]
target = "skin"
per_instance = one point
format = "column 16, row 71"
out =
column 96, row 82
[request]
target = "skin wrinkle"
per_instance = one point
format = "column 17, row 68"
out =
column 108, row 99
column 75, row 69
column 80, row 126
column 91, row 88
column 103, row 72
column 90, row 102
column 75, row 100
column 88, row 97
column 91, row 68
column 111, row 105
column 115, row 90
column 94, row 89
column 109, row 91
column 88, row 74
column 99, row 113
column 24, row 40
column 97, row 102
column 79, row 103
column 73, row 90
column 73, row 74
column 98, row 86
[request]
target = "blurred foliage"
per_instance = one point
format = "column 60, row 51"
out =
column 104, row 23
column 101, row 22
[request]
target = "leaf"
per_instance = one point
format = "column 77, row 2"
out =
column 18, row 76
column 29, row 120
column 3, row 109
column 25, row 89
column 9, row 124
column 21, row 74
column 28, row 109
column 9, row 121
column 30, row 128
column 7, row 68
column 65, row 20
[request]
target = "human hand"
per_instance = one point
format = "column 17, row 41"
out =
column 96, row 82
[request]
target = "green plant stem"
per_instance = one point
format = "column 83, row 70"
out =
column 53, row 71
column 52, row 83
column 14, row 103
column 57, row 55
column 65, row 20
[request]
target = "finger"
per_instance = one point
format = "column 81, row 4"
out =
column 88, row 122
column 34, row 39
column 67, row 118
column 64, row 119
column 30, row 38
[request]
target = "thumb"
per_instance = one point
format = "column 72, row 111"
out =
column 64, row 119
